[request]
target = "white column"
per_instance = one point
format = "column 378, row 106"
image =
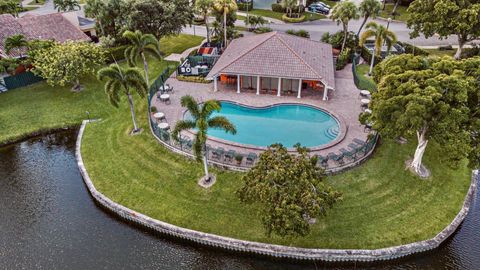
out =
column 238, row 84
column 279, row 86
column 299, row 88
column 325, row 93
column 258, row 85
column 215, row 89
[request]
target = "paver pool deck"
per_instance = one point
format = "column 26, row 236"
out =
column 344, row 103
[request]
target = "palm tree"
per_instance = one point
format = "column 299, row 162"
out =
column 343, row 12
column 201, row 121
column 204, row 7
column 382, row 35
column 66, row 5
column 289, row 5
column 123, row 79
column 15, row 42
column 367, row 9
column 93, row 9
column 141, row 44
column 225, row 7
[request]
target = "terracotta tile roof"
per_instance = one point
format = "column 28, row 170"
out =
column 278, row 55
column 47, row 27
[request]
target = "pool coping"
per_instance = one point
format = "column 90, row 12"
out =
column 273, row 250
column 343, row 128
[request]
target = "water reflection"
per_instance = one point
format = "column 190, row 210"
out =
column 48, row 220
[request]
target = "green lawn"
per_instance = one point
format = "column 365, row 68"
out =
column 365, row 82
column 402, row 14
column 383, row 203
column 41, row 107
column 438, row 52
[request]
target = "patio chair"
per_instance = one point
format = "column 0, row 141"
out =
column 229, row 155
column 359, row 142
column 322, row 161
column 355, row 149
column 251, row 157
column 347, row 153
column 218, row 153
column 337, row 158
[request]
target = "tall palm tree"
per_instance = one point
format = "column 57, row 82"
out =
column 93, row 9
column 123, row 80
column 225, row 7
column 382, row 35
column 15, row 42
column 204, row 7
column 289, row 5
column 368, row 9
column 141, row 44
column 343, row 12
column 66, row 5
column 201, row 121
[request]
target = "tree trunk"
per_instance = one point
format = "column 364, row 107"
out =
column 384, row 4
column 205, row 163
column 100, row 24
column 461, row 43
column 422, row 145
column 345, row 33
column 395, row 8
column 145, row 68
column 132, row 110
column 372, row 63
column 225, row 27
column 76, row 86
column 206, row 25
column 361, row 26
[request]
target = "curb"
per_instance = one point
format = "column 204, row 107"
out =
column 278, row 251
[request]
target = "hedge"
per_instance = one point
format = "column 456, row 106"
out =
column 116, row 53
column 195, row 79
column 243, row 6
column 287, row 19
column 409, row 48
column 277, row 8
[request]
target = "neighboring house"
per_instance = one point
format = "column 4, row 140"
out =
column 276, row 63
column 60, row 27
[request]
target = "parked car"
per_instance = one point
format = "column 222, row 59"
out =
column 321, row 4
column 318, row 9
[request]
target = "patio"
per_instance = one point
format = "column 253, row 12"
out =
column 345, row 104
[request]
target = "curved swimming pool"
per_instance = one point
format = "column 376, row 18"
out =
column 287, row 124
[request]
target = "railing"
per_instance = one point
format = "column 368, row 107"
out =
column 361, row 82
column 338, row 162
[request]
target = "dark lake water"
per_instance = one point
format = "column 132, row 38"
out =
column 49, row 221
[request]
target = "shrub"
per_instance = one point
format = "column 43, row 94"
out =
column 195, row 79
column 262, row 30
column 287, row 19
column 153, row 109
column 278, row 8
column 115, row 53
column 409, row 48
column 367, row 56
column 336, row 40
column 243, row 6
column 299, row 33
column 471, row 52
column 343, row 59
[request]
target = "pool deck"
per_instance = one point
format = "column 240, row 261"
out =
column 344, row 103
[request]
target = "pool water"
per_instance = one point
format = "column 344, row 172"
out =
column 287, row 124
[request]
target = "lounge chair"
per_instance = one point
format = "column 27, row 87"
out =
column 229, row 155
column 322, row 161
column 218, row 153
column 346, row 153
column 359, row 142
column 337, row 158
column 355, row 149
column 251, row 157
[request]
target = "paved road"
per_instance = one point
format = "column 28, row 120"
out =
column 315, row 28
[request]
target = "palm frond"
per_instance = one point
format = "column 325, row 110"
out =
column 209, row 107
column 366, row 35
column 110, row 72
column 197, row 147
column 180, row 126
column 222, row 122
column 191, row 104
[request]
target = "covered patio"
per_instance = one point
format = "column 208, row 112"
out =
column 277, row 64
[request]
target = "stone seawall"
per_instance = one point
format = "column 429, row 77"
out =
column 279, row 251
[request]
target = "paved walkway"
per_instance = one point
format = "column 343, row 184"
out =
column 344, row 103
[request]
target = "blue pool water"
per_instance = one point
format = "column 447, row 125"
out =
column 287, row 124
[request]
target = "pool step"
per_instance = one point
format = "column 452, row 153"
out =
column 332, row 132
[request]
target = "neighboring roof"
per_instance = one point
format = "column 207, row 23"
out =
column 47, row 27
column 276, row 54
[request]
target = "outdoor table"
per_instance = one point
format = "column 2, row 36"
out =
column 159, row 115
column 365, row 101
column 165, row 97
column 365, row 93
column 163, row 126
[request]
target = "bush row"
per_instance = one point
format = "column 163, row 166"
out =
column 287, row 19
column 195, row 79
column 243, row 6
column 409, row 48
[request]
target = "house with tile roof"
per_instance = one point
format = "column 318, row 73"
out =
column 57, row 26
column 275, row 62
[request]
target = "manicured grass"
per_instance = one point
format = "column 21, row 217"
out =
column 383, row 203
column 401, row 11
column 438, row 52
column 41, row 107
column 36, row 2
column 365, row 82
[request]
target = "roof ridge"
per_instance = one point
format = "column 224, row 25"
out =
column 301, row 59
column 272, row 34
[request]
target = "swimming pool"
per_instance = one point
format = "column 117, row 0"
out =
column 287, row 124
